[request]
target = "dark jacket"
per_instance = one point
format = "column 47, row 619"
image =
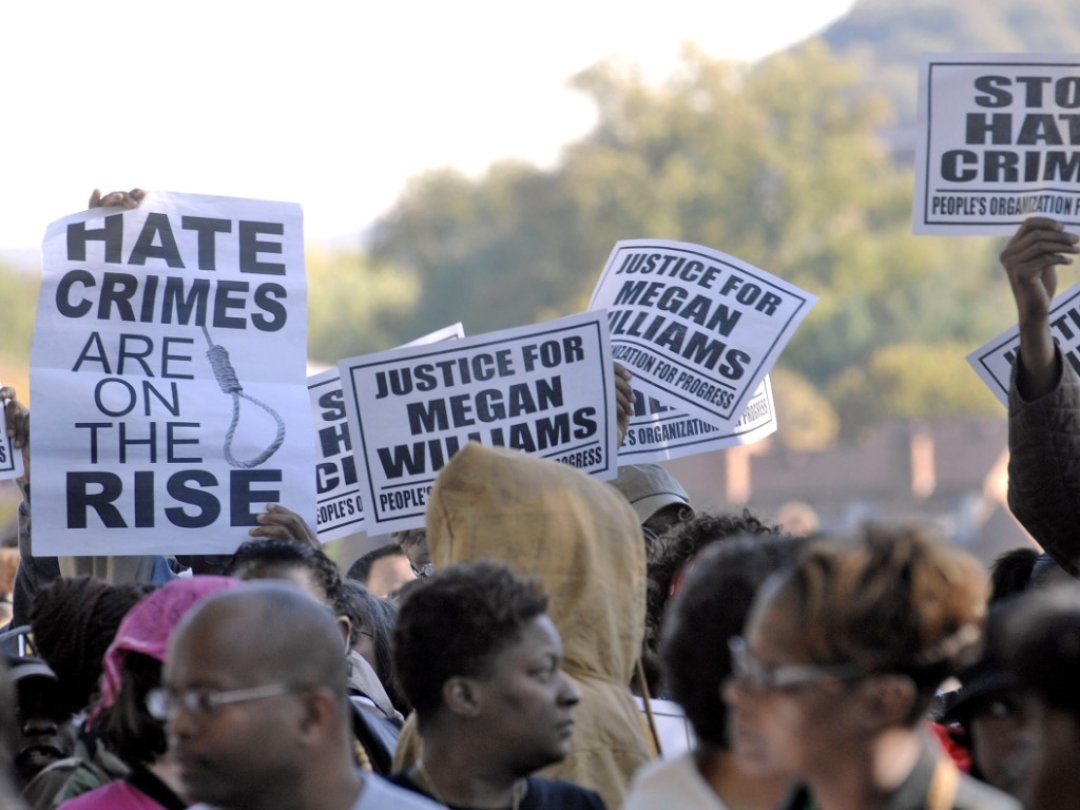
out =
column 1044, row 466
column 970, row 794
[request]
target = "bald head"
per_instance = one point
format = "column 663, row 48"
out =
column 260, row 710
column 266, row 632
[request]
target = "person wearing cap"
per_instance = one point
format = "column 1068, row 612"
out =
column 126, row 765
column 46, row 729
column 658, row 500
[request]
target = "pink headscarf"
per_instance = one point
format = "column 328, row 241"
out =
column 147, row 627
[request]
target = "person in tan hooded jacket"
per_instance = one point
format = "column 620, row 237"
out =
column 582, row 540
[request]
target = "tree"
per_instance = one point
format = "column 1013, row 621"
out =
column 910, row 380
column 781, row 164
column 355, row 305
column 19, row 296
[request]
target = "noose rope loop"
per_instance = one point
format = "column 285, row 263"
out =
column 230, row 384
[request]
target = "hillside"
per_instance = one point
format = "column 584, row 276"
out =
column 887, row 37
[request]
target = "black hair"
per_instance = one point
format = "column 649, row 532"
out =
column 455, row 623
column 1041, row 645
column 361, row 569
column 74, row 622
column 126, row 726
column 669, row 554
column 266, row 559
column 1011, row 572
column 711, row 607
column 376, row 617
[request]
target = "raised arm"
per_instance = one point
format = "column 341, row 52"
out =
column 1044, row 400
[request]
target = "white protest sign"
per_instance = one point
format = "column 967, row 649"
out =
column 698, row 329
column 546, row 389
column 337, row 486
column 999, row 142
column 659, row 432
column 993, row 361
column 11, row 460
column 168, row 371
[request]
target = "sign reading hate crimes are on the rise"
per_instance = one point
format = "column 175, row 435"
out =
column 338, row 485
column 167, row 375
column 999, row 142
column 545, row 389
column 698, row 329
column 994, row 360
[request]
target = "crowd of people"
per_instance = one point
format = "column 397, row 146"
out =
column 518, row 650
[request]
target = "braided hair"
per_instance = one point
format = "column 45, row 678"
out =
column 74, row 621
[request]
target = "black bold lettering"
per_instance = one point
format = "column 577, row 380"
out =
column 251, row 247
column 156, row 227
column 224, row 301
column 80, row 499
column 111, row 233
column 189, row 487
column 63, row 293
column 268, row 298
column 242, row 496
column 205, row 228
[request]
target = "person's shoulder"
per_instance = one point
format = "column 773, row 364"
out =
column 380, row 794
column 110, row 796
column 971, row 794
column 558, row 793
column 671, row 783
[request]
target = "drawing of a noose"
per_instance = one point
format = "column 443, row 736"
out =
column 230, row 384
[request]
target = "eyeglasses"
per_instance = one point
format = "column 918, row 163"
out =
column 163, row 704
column 762, row 678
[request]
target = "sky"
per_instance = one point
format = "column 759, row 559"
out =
column 331, row 104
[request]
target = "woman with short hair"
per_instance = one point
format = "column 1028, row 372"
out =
column 841, row 657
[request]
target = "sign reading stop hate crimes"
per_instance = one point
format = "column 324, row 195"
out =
column 698, row 329
column 993, row 361
column 168, row 376
column 1000, row 142
column 338, row 486
column 545, row 389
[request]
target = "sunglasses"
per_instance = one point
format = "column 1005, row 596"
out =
column 755, row 675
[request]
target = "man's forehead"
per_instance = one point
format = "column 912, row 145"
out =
column 212, row 642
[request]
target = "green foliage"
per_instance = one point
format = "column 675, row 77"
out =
column 500, row 252
column 807, row 420
column 781, row 164
column 910, row 380
column 18, row 297
column 355, row 305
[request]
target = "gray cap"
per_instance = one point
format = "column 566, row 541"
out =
column 649, row 488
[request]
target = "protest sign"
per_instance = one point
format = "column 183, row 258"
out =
column 11, row 460
column 337, row 486
column 545, row 389
column 698, row 329
column 659, row 432
column 167, row 376
column 998, row 142
column 993, row 361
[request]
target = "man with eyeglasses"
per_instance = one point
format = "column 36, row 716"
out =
column 254, row 696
